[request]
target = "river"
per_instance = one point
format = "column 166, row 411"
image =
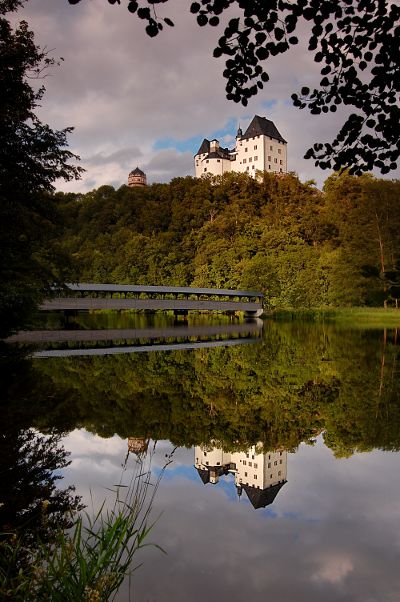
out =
column 281, row 440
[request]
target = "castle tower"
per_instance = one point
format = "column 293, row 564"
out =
column 137, row 177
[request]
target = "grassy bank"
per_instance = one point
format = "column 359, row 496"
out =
column 365, row 317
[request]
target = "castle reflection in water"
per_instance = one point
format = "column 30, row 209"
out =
column 260, row 474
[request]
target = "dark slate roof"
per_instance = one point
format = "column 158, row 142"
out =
column 137, row 172
column 204, row 475
column 260, row 126
column 134, row 288
column 221, row 153
column 262, row 497
column 204, row 147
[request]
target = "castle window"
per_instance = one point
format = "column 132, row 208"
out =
column 269, row 166
column 252, row 167
column 279, row 151
column 271, row 148
column 279, row 473
column 250, row 159
column 280, row 453
column 245, row 150
column 218, row 160
column 255, row 158
column 281, row 170
column 275, row 463
column 276, row 160
column 250, row 464
column 270, row 476
column 280, row 162
column 269, row 464
column 206, row 463
column 280, row 461
column 205, row 169
column 255, row 476
column 244, row 462
column 244, row 160
column 218, row 463
column 245, row 474
column 247, row 168
column 269, row 158
column 207, row 161
column 255, row 147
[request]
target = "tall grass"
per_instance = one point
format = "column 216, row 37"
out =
column 91, row 562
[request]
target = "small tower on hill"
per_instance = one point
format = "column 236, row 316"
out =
column 137, row 177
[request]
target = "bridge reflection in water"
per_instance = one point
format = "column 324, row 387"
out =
column 64, row 343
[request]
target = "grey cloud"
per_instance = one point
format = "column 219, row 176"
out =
column 126, row 157
column 169, row 163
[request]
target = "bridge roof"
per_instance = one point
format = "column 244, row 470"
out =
column 130, row 288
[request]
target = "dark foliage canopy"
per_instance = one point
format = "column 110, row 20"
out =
column 356, row 43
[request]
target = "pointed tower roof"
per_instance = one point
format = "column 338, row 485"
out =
column 137, row 172
column 260, row 126
column 204, row 147
column 204, row 475
column 260, row 498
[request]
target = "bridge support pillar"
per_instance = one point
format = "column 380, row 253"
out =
column 250, row 315
column 180, row 312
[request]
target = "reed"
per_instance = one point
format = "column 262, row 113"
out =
column 91, row 562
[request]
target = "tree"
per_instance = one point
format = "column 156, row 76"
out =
column 354, row 41
column 32, row 157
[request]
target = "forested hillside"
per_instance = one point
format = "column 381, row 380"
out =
column 302, row 247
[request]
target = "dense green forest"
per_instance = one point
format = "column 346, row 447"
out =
column 304, row 248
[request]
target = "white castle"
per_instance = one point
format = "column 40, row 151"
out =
column 260, row 474
column 260, row 148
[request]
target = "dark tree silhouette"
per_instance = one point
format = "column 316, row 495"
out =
column 32, row 157
column 356, row 43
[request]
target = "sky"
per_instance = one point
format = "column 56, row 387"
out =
column 149, row 102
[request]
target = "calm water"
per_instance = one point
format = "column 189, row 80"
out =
column 284, row 475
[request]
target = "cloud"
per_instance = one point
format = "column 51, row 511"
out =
column 334, row 570
column 169, row 163
column 124, row 156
